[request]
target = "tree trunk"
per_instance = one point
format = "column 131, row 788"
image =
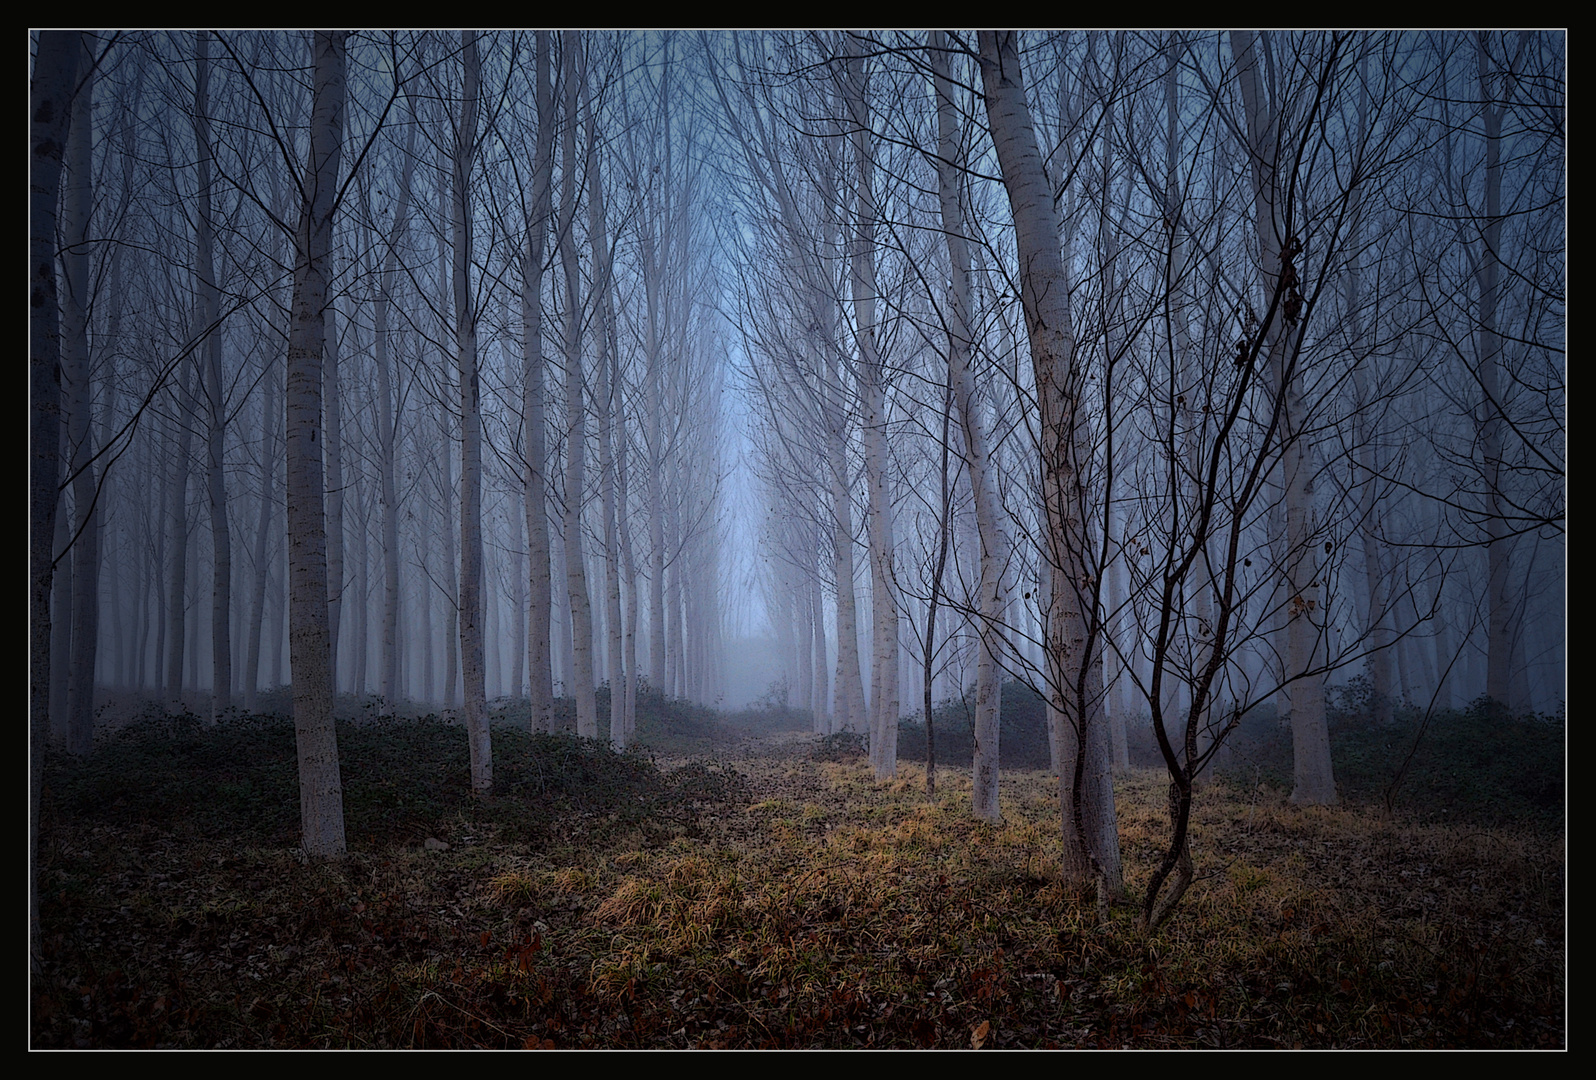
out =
column 472, row 645
column 1300, row 600
column 607, row 399
column 1074, row 637
column 961, row 382
column 320, row 784
column 50, row 108
column 333, row 404
column 388, row 427
column 270, row 413
column 1366, row 438
column 884, row 699
column 540, row 658
column 576, row 414
column 1502, row 611
column 85, row 574
column 207, row 327
column 177, row 549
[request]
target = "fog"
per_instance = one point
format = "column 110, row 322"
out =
column 673, row 374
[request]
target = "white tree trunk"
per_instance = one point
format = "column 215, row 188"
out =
column 884, row 698
column 576, row 412
column 1074, row 639
column 533, row 410
column 607, row 400
column 994, row 544
column 1302, row 607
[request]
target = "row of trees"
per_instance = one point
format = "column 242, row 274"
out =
column 441, row 298
column 1216, row 324
column 1180, row 372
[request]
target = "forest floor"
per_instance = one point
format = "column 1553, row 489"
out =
column 769, row 895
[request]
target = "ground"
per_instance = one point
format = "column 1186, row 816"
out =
column 769, row 894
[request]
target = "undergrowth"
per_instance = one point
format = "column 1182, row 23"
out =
column 604, row 900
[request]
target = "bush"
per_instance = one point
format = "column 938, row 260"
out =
column 1022, row 731
column 1463, row 765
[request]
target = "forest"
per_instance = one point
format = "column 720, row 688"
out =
column 649, row 539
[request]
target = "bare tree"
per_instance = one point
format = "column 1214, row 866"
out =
column 1073, row 635
column 951, row 157
column 320, row 785
column 533, row 409
column 471, row 608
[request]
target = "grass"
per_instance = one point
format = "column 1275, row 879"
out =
column 767, row 900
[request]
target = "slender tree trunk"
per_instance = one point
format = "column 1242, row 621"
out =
column 1501, row 604
column 516, row 676
column 472, row 646
column 1303, row 610
column 961, row 383
column 208, row 324
column 576, row 413
column 448, row 530
column 675, row 626
column 55, row 75
column 1367, row 438
column 270, row 411
column 607, row 399
column 540, row 658
column 1197, row 622
column 320, row 783
column 362, row 606
column 1074, row 635
column 821, row 694
column 177, row 551
column 85, row 573
column 629, row 567
column 388, row 426
column 654, row 474
column 884, row 698
column 277, row 631
column 61, row 591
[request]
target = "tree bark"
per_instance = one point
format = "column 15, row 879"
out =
column 607, row 399
column 388, row 426
column 320, row 783
column 540, row 658
column 84, row 622
column 55, row 74
column 1300, row 595
column 1074, row 637
column 884, row 699
column 994, row 545
column 1501, row 605
column 576, row 413
column 207, row 323
column 472, row 645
